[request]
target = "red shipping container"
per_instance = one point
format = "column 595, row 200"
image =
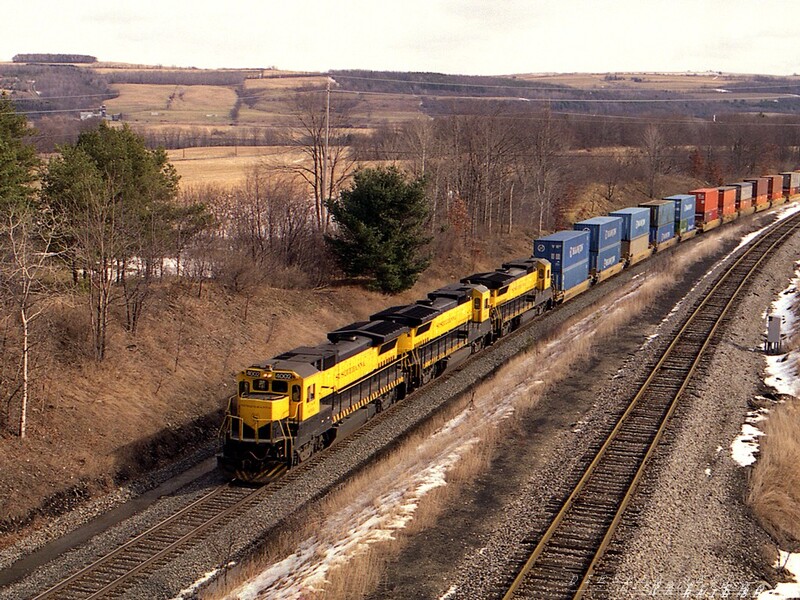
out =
column 706, row 200
column 775, row 186
column 727, row 199
column 760, row 190
column 706, row 217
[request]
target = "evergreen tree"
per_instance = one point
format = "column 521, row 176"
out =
column 18, row 160
column 381, row 228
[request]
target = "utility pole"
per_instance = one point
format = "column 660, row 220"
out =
column 325, row 149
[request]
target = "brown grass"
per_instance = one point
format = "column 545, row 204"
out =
column 774, row 481
column 774, row 493
column 286, row 83
column 226, row 165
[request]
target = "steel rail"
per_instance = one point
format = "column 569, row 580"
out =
column 789, row 226
column 146, row 557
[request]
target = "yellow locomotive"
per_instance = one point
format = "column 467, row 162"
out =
column 300, row 402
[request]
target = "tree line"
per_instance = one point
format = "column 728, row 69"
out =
column 54, row 58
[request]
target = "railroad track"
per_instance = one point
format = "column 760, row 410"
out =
column 561, row 562
column 113, row 573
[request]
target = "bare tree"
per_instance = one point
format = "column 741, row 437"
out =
column 655, row 157
column 27, row 239
column 322, row 119
column 543, row 166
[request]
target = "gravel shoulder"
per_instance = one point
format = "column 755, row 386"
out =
column 689, row 530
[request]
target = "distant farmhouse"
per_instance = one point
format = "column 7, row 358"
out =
column 100, row 114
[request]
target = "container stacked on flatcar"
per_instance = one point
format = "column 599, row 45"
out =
column 760, row 192
column 706, row 212
column 726, row 195
column 744, row 197
column 568, row 253
column 791, row 184
column 775, row 189
column 662, row 223
column 635, row 244
column 605, row 237
column 684, row 215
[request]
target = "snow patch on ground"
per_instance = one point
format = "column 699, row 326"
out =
column 745, row 447
column 190, row 591
column 791, row 589
column 781, row 372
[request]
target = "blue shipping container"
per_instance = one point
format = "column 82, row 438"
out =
column 563, row 248
column 605, row 258
column 635, row 222
column 690, row 223
column 662, row 234
column 603, row 231
column 684, row 205
column 662, row 212
column 575, row 275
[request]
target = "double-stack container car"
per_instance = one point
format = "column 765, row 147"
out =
column 635, row 244
column 760, row 192
column 775, row 189
column 568, row 253
column 727, row 203
column 791, row 184
column 684, row 215
column 662, row 223
column 706, row 212
column 605, row 237
column 744, row 197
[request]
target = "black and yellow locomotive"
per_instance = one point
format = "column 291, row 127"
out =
column 297, row 403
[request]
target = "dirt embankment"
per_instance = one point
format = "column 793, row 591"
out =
column 161, row 394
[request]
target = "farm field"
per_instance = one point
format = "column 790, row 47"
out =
column 226, row 165
column 692, row 83
column 144, row 103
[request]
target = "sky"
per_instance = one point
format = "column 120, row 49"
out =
column 472, row 37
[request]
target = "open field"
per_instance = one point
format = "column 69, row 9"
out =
column 226, row 165
column 278, row 83
column 145, row 103
column 675, row 82
column 708, row 86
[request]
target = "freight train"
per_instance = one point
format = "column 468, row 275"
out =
column 288, row 407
